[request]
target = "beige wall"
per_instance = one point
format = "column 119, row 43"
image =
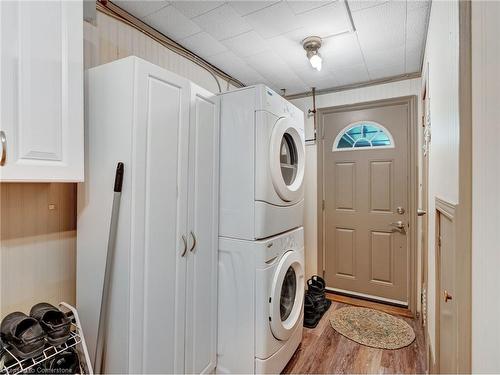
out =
column 441, row 68
column 38, row 243
column 364, row 94
column 486, row 187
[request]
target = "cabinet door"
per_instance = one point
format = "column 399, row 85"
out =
column 158, row 259
column 41, row 97
column 201, row 310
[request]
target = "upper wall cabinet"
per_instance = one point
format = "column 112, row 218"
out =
column 41, row 94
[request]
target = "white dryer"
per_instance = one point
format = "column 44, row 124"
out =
column 262, row 159
column 261, row 292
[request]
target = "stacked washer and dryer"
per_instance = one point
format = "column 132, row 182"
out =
column 261, row 239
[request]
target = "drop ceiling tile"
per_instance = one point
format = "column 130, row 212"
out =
column 244, row 8
column 246, row 44
column 195, row 8
column 222, row 23
column 387, row 71
column 328, row 20
column 289, row 48
column 415, row 4
column 172, row 23
column 273, row 20
column 351, row 75
column 321, row 80
column 416, row 24
column 273, row 67
column 413, row 61
column 342, row 51
column 203, row 44
column 355, row 5
column 299, row 7
column 381, row 27
column 141, row 8
column 235, row 66
column 378, row 59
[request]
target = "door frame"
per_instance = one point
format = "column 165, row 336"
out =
column 411, row 102
column 447, row 209
column 423, row 167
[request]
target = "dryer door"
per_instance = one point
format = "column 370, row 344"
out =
column 287, row 296
column 287, row 158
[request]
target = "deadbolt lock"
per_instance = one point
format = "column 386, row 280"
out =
column 400, row 210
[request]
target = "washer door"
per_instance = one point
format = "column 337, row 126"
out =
column 287, row 158
column 287, row 296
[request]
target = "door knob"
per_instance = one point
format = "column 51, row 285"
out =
column 3, row 141
column 398, row 226
column 447, row 296
column 421, row 212
column 185, row 246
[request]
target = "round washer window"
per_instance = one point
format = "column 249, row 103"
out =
column 288, row 290
column 288, row 159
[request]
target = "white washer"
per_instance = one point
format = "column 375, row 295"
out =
column 262, row 159
column 261, row 292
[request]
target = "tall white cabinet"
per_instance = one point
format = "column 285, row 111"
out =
column 41, row 91
column 163, row 304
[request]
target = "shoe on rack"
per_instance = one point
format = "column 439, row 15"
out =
column 23, row 335
column 54, row 322
column 66, row 362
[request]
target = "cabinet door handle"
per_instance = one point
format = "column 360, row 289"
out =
column 3, row 141
column 194, row 242
column 185, row 246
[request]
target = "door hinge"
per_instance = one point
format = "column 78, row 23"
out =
column 323, row 274
column 323, row 205
column 439, row 241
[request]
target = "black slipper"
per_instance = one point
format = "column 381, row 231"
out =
column 53, row 321
column 23, row 334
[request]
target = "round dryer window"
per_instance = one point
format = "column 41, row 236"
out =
column 287, row 296
column 288, row 291
column 287, row 160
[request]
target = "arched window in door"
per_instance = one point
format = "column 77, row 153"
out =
column 363, row 135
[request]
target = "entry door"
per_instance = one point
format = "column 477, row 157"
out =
column 365, row 177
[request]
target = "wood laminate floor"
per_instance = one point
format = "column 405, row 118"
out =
column 323, row 351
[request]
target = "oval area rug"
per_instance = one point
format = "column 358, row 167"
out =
column 372, row 327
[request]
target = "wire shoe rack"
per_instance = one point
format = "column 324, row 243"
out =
column 10, row 364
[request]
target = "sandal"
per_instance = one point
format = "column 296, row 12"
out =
column 53, row 321
column 23, row 334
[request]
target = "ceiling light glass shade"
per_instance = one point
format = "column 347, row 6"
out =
column 312, row 44
column 316, row 61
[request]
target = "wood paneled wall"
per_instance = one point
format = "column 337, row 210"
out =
column 38, row 244
column 38, row 221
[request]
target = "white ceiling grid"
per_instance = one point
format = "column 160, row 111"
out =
column 260, row 41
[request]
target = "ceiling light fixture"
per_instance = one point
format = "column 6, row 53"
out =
column 312, row 45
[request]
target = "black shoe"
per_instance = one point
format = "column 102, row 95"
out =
column 316, row 287
column 66, row 362
column 23, row 334
column 319, row 282
column 311, row 313
column 53, row 321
